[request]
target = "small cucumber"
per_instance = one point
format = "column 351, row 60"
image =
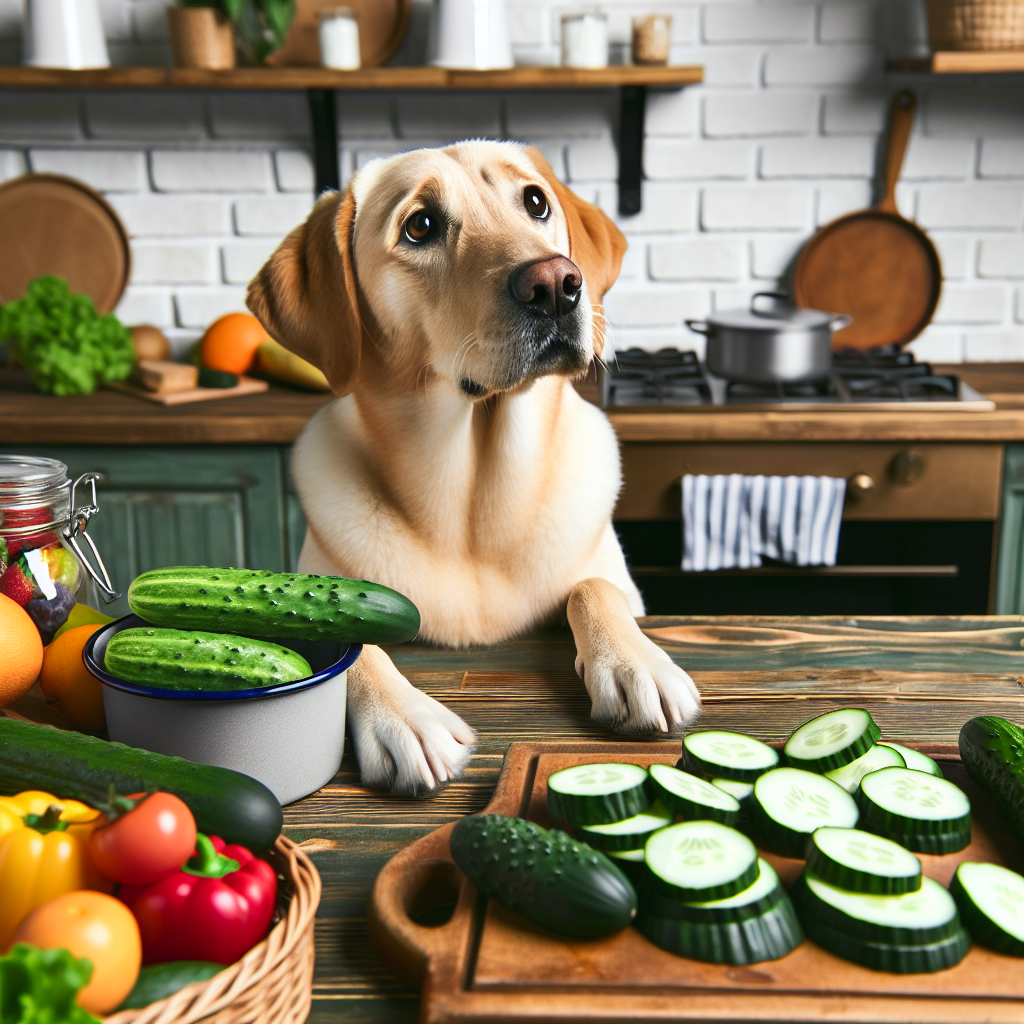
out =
column 216, row 378
column 277, row 605
column 182, row 659
column 554, row 880
column 78, row 767
column 992, row 750
column 158, row 981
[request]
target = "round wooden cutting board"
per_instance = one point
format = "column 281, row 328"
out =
column 382, row 25
column 50, row 224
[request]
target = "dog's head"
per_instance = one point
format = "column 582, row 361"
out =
column 472, row 263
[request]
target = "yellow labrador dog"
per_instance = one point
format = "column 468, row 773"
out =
column 451, row 296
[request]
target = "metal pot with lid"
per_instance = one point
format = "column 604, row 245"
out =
column 771, row 341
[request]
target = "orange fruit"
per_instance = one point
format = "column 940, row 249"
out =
column 230, row 343
column 93, row 925
column 21, row 651
column 67, row 684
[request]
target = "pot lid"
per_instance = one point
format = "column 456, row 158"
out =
column 771, row 311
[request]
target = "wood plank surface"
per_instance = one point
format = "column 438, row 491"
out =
column 921, row 678
column 17, row 77
column 962, row 62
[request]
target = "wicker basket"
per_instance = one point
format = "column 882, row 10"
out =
column 272, row 983
column 976, row 24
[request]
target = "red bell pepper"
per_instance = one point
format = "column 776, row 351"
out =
column 216, row 908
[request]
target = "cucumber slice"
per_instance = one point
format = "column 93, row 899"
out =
column 753, row 901
column 938, row 845
column 910, row 919
column 789, row 804
column 631, row 864
column 902, row 803
column 861, row 862
column 728, row 755
column 769, row 936
column 831, row 740
column 599, row 794
column 630, row 834
column 991, row 902
column 879, row 956
column 874, row 760
column 742, row 791
column 914, row 759
column 628, row 856
column 700, row 860
column 692, row 797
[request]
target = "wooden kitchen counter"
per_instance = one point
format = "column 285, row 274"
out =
column 277, row 417
column 921, row 679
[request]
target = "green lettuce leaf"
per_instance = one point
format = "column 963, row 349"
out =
column 38, row 986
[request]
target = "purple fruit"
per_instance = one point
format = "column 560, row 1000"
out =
column 49, row 616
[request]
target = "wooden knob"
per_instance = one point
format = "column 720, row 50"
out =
column 907, row 467
column 860, row 485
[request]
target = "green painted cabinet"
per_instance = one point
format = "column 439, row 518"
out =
column 1009, row 591
column 187, row 505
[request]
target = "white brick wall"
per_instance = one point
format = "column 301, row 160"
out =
column 782, row 137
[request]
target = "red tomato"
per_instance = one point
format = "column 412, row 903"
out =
column 149, row 842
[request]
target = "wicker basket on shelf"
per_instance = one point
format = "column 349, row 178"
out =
column 273, row 982
column 976, row 24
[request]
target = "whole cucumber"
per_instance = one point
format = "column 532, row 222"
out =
column 551, row 878
column 158, row 981
column 992, row 750
column 279, row 605
column 184, row 659
column 78, row 767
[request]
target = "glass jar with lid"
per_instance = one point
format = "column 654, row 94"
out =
column 42, row 530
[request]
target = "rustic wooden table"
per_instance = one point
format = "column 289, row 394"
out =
column 921, row 678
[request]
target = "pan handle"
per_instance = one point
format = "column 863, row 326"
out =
column 779, row 298
column 839, row 321
column 901, row 122
column 699, row 327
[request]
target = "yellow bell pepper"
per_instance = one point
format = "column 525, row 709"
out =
column 43, row 854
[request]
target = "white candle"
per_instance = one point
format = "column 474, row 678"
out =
column 585, row 41
column 339, row 39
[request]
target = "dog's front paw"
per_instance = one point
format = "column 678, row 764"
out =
column 636, row 688
column 410, row 744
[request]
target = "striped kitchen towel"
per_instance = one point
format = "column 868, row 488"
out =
column 732, row 522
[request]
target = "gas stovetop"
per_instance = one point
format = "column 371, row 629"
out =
column 864, row 380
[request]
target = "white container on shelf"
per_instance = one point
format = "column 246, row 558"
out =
column 473, row 34
column 585, row 40
column 64, row 34
column 339, row 39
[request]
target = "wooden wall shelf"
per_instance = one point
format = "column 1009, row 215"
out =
column 962, row 62
column 322, row 83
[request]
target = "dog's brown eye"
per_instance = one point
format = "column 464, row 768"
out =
column 536, row 202
column 420, row 227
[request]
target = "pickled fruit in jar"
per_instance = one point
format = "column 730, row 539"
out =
column 50, row 615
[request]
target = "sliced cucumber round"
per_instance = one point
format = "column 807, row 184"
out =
column 874, row 760
column 599, row 794
column 631, row 864
column 937, row 845
column 831, row 740
column 991, row 902
column 699, row 861
column 880, row 956
column 728, row 755
column 789, row 804
column 861, row 862
column 901, row 802
column 769, row 936
column 914, row 759
column 910, row 919
column 764, row 894
column 742, row 791
column 629, row 834
column 692, row 797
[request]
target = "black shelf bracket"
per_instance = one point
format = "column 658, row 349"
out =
column 324, row 118
column 632, row 104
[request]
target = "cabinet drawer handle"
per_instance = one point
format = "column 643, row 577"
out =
column 860, row 485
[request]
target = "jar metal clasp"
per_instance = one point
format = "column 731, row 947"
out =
column 76, row 528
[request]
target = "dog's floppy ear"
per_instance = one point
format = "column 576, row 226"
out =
column 596, row 245
column 305, row 294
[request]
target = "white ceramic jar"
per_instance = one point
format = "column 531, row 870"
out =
column 339, row 39
column 63, row 34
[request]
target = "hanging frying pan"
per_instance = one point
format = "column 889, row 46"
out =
column 874, row 265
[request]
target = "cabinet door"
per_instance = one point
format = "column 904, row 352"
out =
column 183, row 505
column 1009, row 591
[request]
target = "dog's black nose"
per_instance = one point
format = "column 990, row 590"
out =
column 551, row 287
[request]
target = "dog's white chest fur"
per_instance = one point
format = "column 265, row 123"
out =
column 485, row 516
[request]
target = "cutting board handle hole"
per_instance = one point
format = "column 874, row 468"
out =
column 431, row 893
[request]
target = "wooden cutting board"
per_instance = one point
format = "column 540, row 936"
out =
column 488, row 963
column 382, row 25
column 245, row 386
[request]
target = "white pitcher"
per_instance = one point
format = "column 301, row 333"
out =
column 63, row 34
column 473, row 34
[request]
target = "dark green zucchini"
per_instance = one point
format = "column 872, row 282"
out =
column 992, row 750
column 158, row 981
column 551, row 878
column 69, row 764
